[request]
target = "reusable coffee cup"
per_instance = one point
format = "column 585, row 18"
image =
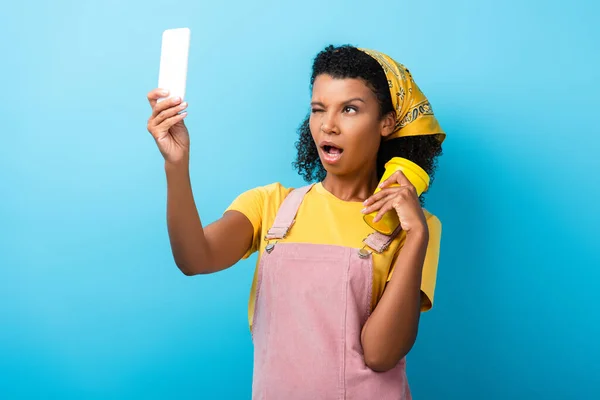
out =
column 415, row 174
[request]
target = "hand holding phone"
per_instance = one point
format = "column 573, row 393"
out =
column 168, row 107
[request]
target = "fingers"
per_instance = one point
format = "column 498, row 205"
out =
column 397, row 177
column 379, row 195
column 403, row 180
column 379, row 203
column 164, row 105
column 163, row 129
column 167, row 112
column 388, row 206
column 156, row 94
column 388, row 199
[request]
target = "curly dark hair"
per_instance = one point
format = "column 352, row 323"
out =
column 349, row 62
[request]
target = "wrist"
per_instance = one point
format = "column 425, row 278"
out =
column 418, row 234
column 179, row 165
column 177, row 172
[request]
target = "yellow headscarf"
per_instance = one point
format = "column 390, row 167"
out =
column 414, row 115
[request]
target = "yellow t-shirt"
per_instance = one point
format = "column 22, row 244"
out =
column 324, row 219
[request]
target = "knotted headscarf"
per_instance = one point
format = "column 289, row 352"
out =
column 414, row 115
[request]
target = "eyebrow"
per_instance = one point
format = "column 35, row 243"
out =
column 318, row 103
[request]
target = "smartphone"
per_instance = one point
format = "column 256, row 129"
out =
column 174, row 54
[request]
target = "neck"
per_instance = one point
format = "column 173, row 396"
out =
column 356, row 187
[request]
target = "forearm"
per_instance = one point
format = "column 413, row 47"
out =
column 188, row 243
column 391, row 330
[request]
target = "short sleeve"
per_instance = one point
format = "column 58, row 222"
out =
column 430, row 266
column 251, row 204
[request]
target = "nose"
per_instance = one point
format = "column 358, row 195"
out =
column 329, row 124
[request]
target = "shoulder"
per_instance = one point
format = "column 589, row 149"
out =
column 429, row 216
column 276, row 189
column 272, row 193
column 433, row 222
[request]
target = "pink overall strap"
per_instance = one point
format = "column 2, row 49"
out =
column 380, row 242
column 287, row 213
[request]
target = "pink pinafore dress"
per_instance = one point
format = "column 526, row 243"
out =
column 311, row 304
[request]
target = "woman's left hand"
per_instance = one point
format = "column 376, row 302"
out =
column 403, row 199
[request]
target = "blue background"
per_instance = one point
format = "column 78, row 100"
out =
column 91, row 303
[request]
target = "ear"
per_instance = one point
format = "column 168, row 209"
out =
column 388, row 123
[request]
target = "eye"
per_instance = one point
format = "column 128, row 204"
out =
column 315, row 110
column 350, row 109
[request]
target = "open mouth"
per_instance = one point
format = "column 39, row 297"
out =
column 331, row 154
column 332, row 150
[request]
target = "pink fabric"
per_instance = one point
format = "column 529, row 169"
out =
column 287, row 213
column 380, row 242
column 311, row 304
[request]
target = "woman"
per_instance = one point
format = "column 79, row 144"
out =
column 334, row 306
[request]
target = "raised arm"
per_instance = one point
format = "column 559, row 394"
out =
column 196, row 249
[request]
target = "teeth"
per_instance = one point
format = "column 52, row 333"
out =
column 332, row 149
column 332, row 156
